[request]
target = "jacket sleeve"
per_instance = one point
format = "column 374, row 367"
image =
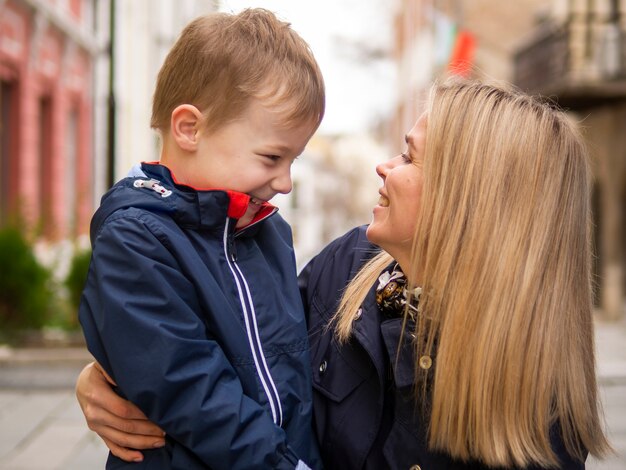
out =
column 566, row 461
column 141, row 320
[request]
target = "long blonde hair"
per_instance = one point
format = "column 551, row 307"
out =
column 503, row 243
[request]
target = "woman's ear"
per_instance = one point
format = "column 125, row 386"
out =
column 184, row 126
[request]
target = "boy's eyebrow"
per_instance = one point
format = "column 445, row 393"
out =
column 280, row 148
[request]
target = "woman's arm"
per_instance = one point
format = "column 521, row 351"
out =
column 121, row 425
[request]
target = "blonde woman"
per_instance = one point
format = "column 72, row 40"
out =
column 464, row 337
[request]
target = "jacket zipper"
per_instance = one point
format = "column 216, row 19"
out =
column 254, row 340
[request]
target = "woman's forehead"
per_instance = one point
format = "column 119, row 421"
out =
column 416, row 135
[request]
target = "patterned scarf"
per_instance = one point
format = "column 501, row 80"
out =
column 392, row 294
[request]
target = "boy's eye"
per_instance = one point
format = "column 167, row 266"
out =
column 273, row 158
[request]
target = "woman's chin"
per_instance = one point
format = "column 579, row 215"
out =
column 372, row 233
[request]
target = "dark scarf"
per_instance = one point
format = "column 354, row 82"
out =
column 392, row 294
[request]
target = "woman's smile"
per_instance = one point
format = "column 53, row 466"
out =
column 383, row 201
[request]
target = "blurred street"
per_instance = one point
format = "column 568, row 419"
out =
column 42, row 428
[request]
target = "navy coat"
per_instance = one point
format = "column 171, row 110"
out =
column 201, row 326
column 364, row 413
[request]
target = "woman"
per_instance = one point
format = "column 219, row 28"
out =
column 467, row 341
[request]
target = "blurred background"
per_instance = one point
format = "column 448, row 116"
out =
column 76, row 83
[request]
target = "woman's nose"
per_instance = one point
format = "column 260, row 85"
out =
column 383, row 168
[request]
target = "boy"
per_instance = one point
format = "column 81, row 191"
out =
column 191, row 304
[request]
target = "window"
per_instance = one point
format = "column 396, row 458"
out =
column 8, row 155
column 45, row 176
column 70, row 208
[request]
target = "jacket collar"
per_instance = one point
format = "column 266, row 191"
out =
column 153, row 188
column 205, row 208
column 380, row 337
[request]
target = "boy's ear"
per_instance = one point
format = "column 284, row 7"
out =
column 184, row 126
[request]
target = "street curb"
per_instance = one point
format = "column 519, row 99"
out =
column 41, row 356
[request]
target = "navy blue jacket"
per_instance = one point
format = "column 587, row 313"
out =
column 201, row 326
column 364, row 412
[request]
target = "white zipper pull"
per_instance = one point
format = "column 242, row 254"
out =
column 154, row 185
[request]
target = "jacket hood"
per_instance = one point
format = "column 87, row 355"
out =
column 153, row 188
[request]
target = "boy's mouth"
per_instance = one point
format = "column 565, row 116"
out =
column 256, row 202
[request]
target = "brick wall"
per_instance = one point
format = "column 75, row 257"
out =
column 50, row 155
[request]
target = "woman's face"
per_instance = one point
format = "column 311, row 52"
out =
column 395, row 216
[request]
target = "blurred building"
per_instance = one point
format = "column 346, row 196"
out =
column 47, row 55
column 77, row 81
column 434, row 35
column 578, row 54
column 573, row 51
column 143, row 33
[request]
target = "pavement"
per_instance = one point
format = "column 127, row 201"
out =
column 42, row 427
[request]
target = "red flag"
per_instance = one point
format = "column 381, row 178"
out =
column 463, row 54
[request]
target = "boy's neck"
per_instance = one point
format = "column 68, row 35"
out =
column 173, row 157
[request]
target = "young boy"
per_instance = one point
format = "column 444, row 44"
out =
column 191, row 304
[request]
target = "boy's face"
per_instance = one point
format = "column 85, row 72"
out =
column 252, row 155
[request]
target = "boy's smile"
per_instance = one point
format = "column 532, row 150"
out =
column 254, row 206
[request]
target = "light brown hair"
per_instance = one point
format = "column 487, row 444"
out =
column 221, row 61
column 502, row 245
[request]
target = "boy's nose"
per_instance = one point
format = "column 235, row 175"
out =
column 282, row 183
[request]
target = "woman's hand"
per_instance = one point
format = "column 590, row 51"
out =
column 121, row 425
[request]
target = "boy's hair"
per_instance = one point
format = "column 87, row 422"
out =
column 221, row 61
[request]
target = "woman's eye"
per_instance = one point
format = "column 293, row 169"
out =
column 273, row 158
column 406, row 157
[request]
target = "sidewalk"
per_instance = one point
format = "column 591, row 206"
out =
column 41, row 426
column 611, row 371
column 41, row 368
column 611, row 351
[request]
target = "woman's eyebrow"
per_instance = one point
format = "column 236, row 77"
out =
column 409, row 140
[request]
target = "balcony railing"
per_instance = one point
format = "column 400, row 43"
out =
column 578, row 64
